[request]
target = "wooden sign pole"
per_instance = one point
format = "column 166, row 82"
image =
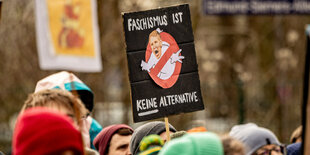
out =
column 167, row 129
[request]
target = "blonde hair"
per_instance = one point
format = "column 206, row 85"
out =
column 58, row 98
column 232, row 146
column 296, row 134
column 154, row 34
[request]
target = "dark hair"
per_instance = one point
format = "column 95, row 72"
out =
column 122, row 132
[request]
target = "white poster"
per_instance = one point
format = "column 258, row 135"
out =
column 67, row 35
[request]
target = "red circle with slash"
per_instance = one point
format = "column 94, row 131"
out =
column 173, row 48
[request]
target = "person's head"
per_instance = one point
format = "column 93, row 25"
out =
column 232, row 146
column 151, row 145
column 296, row 135
column 256, row 139
column 114, row 140
column 202, row 143
column 155, row 43
column 58, row 100
column 43, row 131
column 271, row 149
column 68, row 81
column 156, row 127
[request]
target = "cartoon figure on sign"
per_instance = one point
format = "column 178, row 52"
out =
column 163, row 59
column 71, row 36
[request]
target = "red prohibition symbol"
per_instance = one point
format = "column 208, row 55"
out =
column 163, row 59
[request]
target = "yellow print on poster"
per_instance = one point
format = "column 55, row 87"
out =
column 71, row 28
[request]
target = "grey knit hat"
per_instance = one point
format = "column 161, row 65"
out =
column 253, row 137
column 156, row 127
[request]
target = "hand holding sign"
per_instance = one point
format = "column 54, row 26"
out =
column 176, row 57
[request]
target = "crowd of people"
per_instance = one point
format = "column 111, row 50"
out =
column 55, row 119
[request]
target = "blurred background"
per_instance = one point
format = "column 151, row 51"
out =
column 251, row 67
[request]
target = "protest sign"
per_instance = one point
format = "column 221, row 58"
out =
column 256, row 7
column 163, row 71
column 67, row 35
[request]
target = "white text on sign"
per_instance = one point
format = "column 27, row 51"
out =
column 177, row 17
column 165, row 101
column 139, row 24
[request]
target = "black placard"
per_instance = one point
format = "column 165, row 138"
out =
column 162, row 64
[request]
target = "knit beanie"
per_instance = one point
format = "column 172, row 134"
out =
column 42, row 131
column 202, row 143
column 253, row 137
column 156, row 127
column 151, row 145
column 105, row 135
column 294, row 149
column 64, row 80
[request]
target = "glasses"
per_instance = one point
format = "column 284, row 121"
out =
column 278, row 149
column 268, row 152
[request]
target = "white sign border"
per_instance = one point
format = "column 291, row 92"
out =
column 48, row 60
